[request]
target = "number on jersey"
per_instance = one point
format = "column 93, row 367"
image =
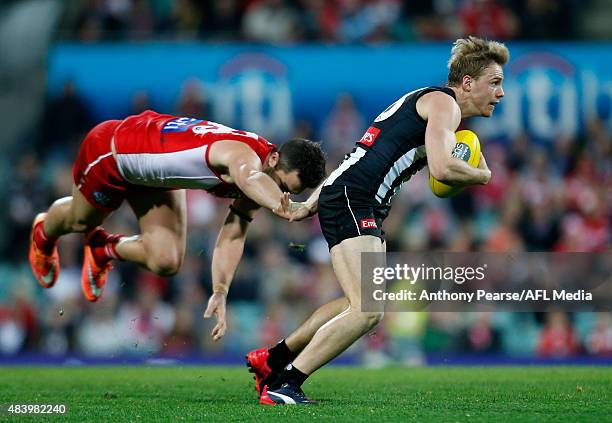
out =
column 180, row 124
column 216, row 128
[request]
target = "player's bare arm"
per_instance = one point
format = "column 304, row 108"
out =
column 226, row 256
column 241, row 166
column 443, row 117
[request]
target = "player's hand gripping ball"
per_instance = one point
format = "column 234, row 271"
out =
column 466, row 149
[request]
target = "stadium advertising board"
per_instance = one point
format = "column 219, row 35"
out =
column 551, row 89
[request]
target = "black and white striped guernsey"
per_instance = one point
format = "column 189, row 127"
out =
column 389, row 153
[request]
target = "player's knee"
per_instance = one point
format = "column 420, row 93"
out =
column 166, row 263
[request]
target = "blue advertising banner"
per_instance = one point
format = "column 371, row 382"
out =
column 551, row 89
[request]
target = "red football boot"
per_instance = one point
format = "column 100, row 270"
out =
column 256, row 362
column 264, row 399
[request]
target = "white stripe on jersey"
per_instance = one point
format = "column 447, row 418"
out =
column 348, row 162
column 180, row 169
column 95, row 162
column 396, row 170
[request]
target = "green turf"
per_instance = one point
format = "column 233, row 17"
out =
column 439, row 394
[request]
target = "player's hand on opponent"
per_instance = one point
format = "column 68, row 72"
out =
column 293, row 211
column 284, row 208
column 216, row 305
column 301, row 211
column 483, row 166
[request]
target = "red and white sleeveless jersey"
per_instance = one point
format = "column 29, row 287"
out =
column 166, row 151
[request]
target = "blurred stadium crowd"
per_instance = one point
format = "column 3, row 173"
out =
column 335, row 21
column 543, row 197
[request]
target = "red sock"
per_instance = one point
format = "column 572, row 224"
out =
column 43, row 241
column 103, row 247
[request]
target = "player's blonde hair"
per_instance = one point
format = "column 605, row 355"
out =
column 471, row 55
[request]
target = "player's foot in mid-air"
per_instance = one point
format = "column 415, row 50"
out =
column 287, row 393
column 257, row 364
column 43, row 256
column 98, row 253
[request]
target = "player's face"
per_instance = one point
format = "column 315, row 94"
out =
column 487, row 89
column 288, row 181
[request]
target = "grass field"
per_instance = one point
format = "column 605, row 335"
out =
column 452, row 394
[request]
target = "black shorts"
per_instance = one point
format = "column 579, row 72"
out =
column 347, row 213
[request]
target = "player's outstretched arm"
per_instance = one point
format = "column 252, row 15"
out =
column 245, row 170
column 443, row 117
column 226, row 256
column 306, row 209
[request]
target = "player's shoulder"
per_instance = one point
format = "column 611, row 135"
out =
column 440, row 94
column 226, row 151
column 436, row 99
column 231, row 146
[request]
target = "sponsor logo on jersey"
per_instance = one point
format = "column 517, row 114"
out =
column 368, row 223
column 370, row 136
column 180, row 124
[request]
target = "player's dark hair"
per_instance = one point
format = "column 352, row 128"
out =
column 471, row 56
column 304, row 156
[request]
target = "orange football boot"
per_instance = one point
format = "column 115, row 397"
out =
column 94, row 276
column 45, row 267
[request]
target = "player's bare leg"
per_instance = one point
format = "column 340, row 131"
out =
column 72, row 214
column 266, row 364
column 339, row 332
column 160, row 247
column 303, row 334
column 66, row 215
column 345, row 328
column 298, row 340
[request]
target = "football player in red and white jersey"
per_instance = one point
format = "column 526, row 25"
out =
column 148, row 160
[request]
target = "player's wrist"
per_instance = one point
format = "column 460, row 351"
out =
column 312, row 208
column 220, row 290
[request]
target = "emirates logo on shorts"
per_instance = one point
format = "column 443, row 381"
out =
column 368, row 223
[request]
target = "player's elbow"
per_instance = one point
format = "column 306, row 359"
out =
column 440, row 170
